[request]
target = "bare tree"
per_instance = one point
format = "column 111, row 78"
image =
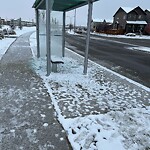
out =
column 12, row 24
column 20, row 24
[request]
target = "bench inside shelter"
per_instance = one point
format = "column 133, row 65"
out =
column 55, row 60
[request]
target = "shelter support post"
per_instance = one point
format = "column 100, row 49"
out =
column 37, row 33
column 63, row 34
column 90, row 7
column 48, row 36
column 74, row 20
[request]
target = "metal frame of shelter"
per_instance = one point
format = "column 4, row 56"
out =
column 64, row 6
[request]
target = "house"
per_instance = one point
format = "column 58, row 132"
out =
column 99, row 25
column 130, row 19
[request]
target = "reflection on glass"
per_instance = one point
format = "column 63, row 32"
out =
column 56, row 33
column 42, row 32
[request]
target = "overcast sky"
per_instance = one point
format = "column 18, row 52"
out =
column 103, row 9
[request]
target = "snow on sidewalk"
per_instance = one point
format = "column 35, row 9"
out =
column 101, row 110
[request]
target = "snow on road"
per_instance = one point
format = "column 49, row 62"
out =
column 139, row 48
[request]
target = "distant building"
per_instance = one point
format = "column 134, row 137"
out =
column 16, row 22
column 99, row 25
column 130, row 19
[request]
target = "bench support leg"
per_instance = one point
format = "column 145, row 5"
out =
column 54, row 67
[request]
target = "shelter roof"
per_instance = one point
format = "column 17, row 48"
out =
column 61, row 5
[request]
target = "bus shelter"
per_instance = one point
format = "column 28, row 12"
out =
column 52, row 26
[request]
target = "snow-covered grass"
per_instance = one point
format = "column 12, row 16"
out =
column 6, row 42
column 72, row 32
column 117, row 130
column 99, row 111
column 24, row 30
column 122, row 36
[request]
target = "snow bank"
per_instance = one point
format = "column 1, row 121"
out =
column 4, row 45
column 123, row 36
column 6, row 42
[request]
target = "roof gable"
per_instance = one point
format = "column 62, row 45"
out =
column 147, row 10
column 120, row 9
column 136, row 10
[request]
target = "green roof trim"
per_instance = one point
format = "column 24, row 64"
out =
column 61, row 5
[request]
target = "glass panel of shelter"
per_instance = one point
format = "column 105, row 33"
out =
column 56, row 33
column 42, row 32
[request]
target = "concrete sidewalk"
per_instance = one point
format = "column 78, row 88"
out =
column 27, row 117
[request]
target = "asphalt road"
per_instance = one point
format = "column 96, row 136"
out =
column 114, row 54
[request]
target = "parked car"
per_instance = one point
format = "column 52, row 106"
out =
column 5, row 31
column 11, row 32
column 79, row 31
column 130, row 34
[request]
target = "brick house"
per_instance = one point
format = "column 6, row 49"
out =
column 130, row 20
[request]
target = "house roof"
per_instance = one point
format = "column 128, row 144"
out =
column 127, row 9
column 102, row 20
column 137, row 22
column 61, row 5
column 98, row 20
column 147, row 10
